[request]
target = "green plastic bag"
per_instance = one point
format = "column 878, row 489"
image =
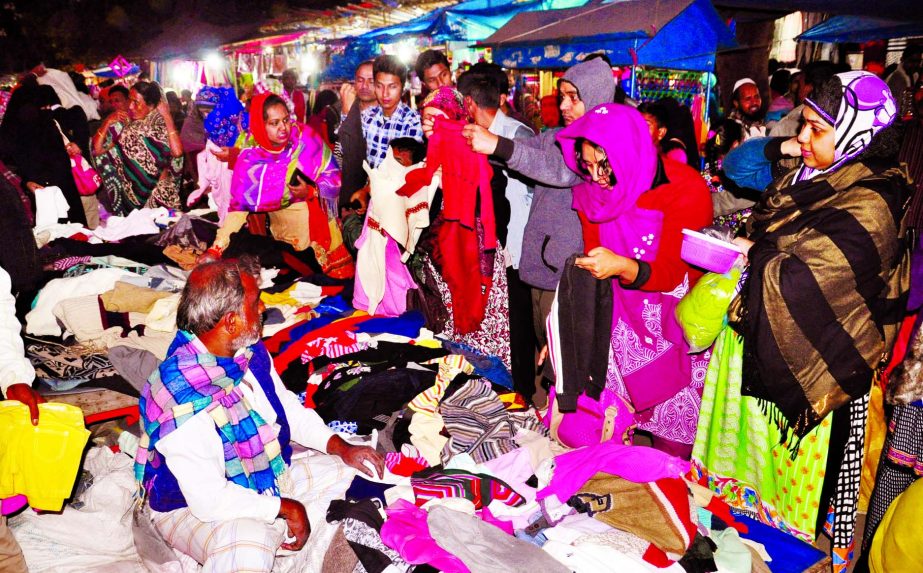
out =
column 703, row 311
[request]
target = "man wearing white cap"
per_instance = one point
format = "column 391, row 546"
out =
column 748, row 108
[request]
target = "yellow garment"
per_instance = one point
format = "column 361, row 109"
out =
column 898, row 543
column 280, row 298
column 290, row 225
column 426, row 436
column 40, row 462
column 876, row 429
column 126, row 297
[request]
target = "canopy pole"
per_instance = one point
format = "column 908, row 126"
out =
column 706, row 119
column 634, row 76
column 633, row 82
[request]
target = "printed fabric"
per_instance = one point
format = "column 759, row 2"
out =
column 901, row 464
column 478, row 423
column 56, row 362
column 493, row 336
column 677, row 417
column 479, row 489
column 227, row 116
column 842, row 514
column 191, row 380
column 739, row 453
column 106, row 166
column 144, row 172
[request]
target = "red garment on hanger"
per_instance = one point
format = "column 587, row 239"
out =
column 465, row 186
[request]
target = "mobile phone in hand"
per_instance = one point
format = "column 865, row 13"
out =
column 298, row 178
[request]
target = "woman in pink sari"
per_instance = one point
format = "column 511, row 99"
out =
column 286, row 170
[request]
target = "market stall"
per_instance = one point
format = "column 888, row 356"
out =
column 672, row 34
column 666, row 43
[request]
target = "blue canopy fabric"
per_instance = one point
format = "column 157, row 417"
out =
column 858, row 29
column 675, row 34
column 468, row 21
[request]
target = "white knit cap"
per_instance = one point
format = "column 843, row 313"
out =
column 742, row 82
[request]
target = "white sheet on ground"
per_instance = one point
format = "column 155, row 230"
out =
column 140, row 222
column 95, row 538
column 98, row 538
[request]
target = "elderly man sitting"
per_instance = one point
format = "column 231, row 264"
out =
column 215, row 457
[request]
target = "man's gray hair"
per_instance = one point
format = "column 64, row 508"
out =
column 212, row 291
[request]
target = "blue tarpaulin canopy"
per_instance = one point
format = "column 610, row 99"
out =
column 675, row 34
column 468, row 21
column 858, row 29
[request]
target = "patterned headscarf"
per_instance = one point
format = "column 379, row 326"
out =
column 449, row 101
column 227, row 112
column 207, row 97
column 867, row 107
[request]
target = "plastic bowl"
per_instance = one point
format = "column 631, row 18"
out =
column 708, row 253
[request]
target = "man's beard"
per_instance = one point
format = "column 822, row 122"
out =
column 250, row 337
column 754, row 117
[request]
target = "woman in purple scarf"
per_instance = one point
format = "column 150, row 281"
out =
column 634, row 205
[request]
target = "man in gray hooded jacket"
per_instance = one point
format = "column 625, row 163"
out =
column 553, row 232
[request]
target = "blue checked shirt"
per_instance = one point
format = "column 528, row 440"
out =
column 380, row 130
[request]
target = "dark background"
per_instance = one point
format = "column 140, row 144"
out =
column 95, row 31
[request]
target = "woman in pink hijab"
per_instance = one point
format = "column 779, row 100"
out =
column 634, row 205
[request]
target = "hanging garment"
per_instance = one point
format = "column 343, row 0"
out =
column 582, row 310
column 215, row 179
column 392, row 220
column 466, row 194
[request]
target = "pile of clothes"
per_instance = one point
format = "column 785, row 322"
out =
column 474, row 480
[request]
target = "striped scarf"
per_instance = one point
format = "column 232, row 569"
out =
column 828, row 280
column 191, row 380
